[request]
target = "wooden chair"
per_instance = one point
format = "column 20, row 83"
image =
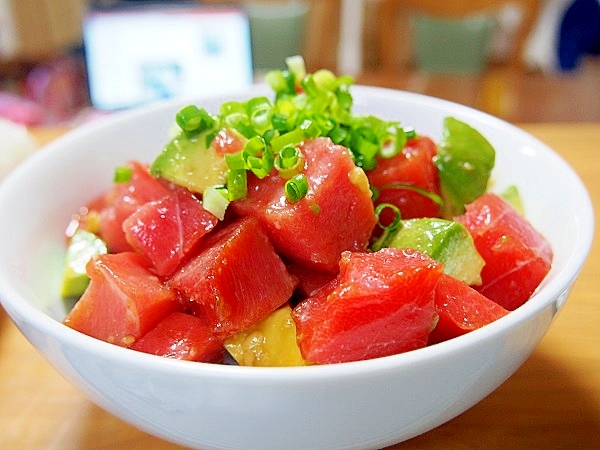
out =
column 388, row 12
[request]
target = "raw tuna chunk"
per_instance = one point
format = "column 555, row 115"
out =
column 309, row 280
column 236, row 279
column 380, row 304
column 461, row 309
column 336, row 215
column 517, row 257
column 166, row 230
column 412, row 166
column 181, row 336
column 122, row 200
column 123, row 300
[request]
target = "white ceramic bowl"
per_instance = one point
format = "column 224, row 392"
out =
column 368, row 404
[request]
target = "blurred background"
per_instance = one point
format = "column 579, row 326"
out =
column 66, row 61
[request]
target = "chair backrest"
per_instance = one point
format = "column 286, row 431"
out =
column 388, row 12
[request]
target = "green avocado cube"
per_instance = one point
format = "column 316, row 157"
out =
column 82, row 247
column 191, row 162
column 445, row 241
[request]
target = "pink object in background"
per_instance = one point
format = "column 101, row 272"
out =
column 59, row 87
column 49, row 93
column 20, row 110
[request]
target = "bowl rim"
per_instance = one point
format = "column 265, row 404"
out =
column 552, row 292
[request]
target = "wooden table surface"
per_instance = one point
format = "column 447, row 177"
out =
column 552, row 401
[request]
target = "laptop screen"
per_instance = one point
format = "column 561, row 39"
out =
column 138, row 54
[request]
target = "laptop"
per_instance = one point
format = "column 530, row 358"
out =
column 137, row 53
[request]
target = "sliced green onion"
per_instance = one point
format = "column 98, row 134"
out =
column 280, row 122
column 284, row 115
column 410, row 133
column 325, row 79
column 194, row 120
column 410, row 187
column 401, row 138
column 235, row 161
column 310, row 129
column 122, row 174
column 245, row 128
column 276, row 80
column 315, row 209
column 294, row 138
column 232, row 108
column 282, row 82
column 290, row 81
column 364, row 149
column 260, row 166
column 287, row 157
column 214, row 200
column 236, row 184
column 311, row 87
column 269, row 135
column 258, row 157
column 365, row 163
column 338, row 134
column 235, row 115
column 306, row 106
column 394, row 144
column 344, row 98
column 254, row 147
column 387, row 229
column 296, row 66
column 289, row 162
column 326, row 125
column 259, row 112
column 296, row 188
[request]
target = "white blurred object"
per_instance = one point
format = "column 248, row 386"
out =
column 508, row 20
column 350, row 55
column 541, row 49
column 16, row 144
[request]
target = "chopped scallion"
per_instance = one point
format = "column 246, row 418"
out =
column 236, row 184
column 296, row 66
column 388, row 229
column 296, row 188
column 424, row 192
column 325, row 79
column 122, row 174
column 259, row 112
column 287, row 157
column 338, row 134
column 235, row 161
column 310, row 129
column 410, row 133
column 289, row 162
column 305, row 107
column 292, row 138
column 194, row 120
column 214, row 200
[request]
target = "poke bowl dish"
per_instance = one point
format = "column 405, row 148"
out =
column 306, row 264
